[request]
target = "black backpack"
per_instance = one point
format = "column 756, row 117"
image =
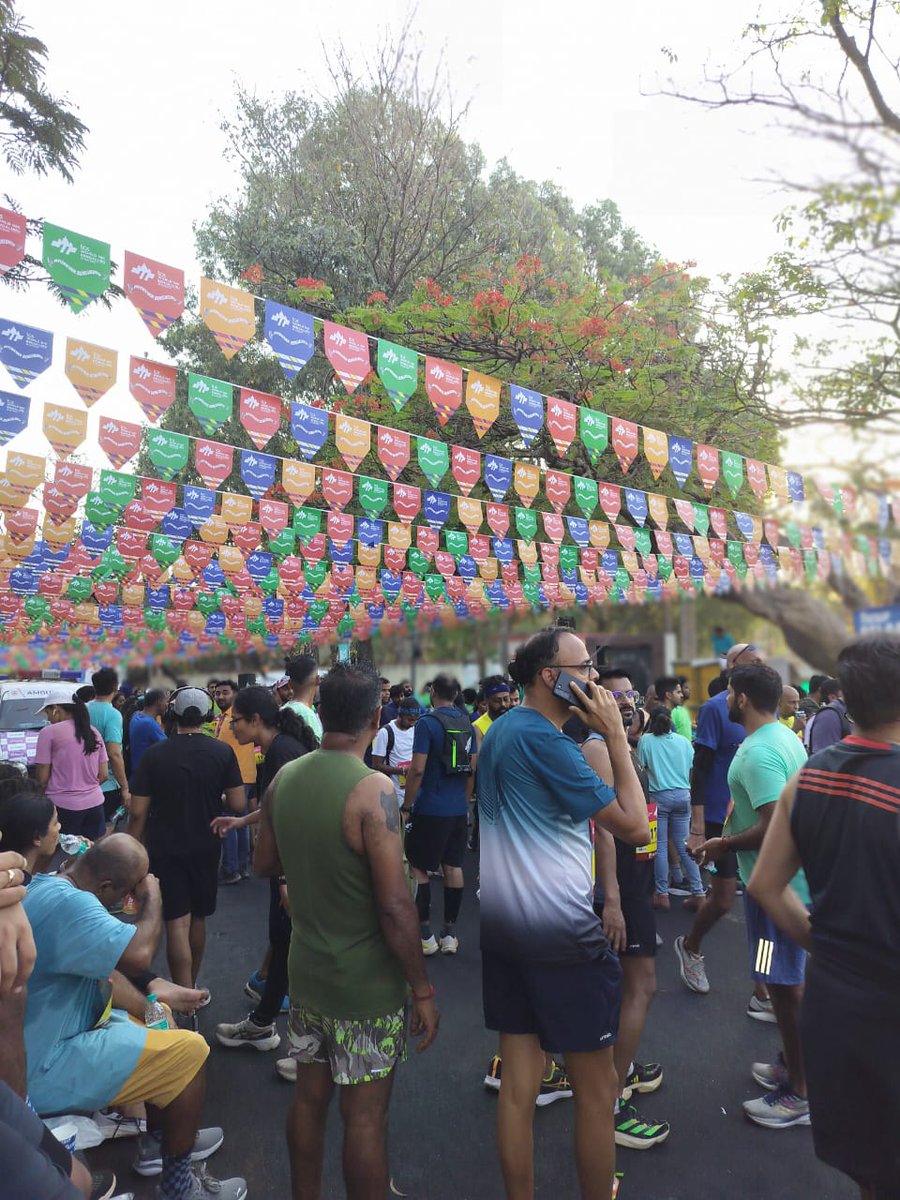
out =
column 458, row 734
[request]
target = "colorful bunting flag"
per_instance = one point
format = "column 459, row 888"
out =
column 291, row 335
column 482, row 400
column 78, row 265
column 353, row 439
column 119, row 440
column 398, row 370
column 90, row 369
column 526, row 482
column 586, row 495
column 443, row 385
column 528, row 412
column 213, row 461
column 348, row 352
column 229, row 315
column 610, row 500
column 558, row 489
column 168, row 452
column 498, row 474
column 466, row 468
column 298, row 480
column 26, row 352
column 13, row 228
column 658, row 508
column 211, row 401
column 733, row 471
column 337, row 488
column 393, row 451
column 656, row 450
column 625, row 442
column 561, row 422
column 260, row 415
column 152, row 385
column 64, row 428
column 708, row 465
column 756, row 477
column 14, row 412
column 681, row 458
column 155, row 289
column 257, row 472
column 433, row 458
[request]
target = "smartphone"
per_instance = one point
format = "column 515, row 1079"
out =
column 569, row 688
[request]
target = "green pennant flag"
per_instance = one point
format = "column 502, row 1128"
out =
column 622, row 579
column 434, row 459
column 732, row 470
column 793, row 534
column 531, row 572
column 664, row 562
column 79, row 589
column 457, row 542
column 315, row 576
column 78, row 265
column 155, row 619
column 735, row 552
column 742, row 569
column 568, row 558
column 38, row 608
column 282, row 544
column 116, row 490
column 434, row 587
column 531, row 593
column 317, row 610
column 810, row 564
column 269, row 585
column 307, row 523
column 526, row 524
column 593, row 428
column 98, row 512
column 837, row 499
column 586, row 495
column 168, row 451
column 398, row 370
column 643, row 541
column 417, row 562
column 164, row 549
column 373, row 495
column 211, row 401
column 701, row 519
column 208, row 603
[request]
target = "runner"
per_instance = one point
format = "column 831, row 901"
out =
column 392, row 749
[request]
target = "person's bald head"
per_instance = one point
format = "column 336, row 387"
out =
column 111, row 868
column 790, row 701
column 743, row 654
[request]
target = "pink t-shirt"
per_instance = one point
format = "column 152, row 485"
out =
column 73, row 774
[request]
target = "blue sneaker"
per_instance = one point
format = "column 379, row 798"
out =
column 286, row 1004
column 254, row 987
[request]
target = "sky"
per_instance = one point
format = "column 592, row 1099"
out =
column 564, row 91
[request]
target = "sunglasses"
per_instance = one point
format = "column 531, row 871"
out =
column 629, row 695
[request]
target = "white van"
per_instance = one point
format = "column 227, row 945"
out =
column 20, row 720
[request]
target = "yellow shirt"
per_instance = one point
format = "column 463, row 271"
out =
column 246, row 755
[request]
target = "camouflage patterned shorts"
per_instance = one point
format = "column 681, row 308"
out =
column 357, row 1051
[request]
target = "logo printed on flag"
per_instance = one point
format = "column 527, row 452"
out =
column 443, row 385
column 291, row 334
column 26, row 352
column 155, row 289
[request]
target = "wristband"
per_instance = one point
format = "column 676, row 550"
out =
column 429, row 996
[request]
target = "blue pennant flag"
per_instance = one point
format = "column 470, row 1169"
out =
column 503, row 549
column 213, row 575
column 259, row 564
column 578, row 530
column 527, row 410
column 177, row 524
column 26, row 352
column 257, row 472
column 309, row 428
column 610, row 561
column 436, row 507
column 467, row 566
column 636, row 503
column 93, row 539
column 684, row 544
column 159, row 597
column 498, row 473
column 13, row 415
column 341, row 554
column 795, row 486
column 370, row 531
column 681, row 458
column 744, row 523
column 290, row 334
column 199, row 503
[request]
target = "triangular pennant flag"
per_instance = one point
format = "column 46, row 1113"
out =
column 64, row 428
column 433, row 458
column 482, row 400
column 119, row 440
column 309, row 428
column 257, row 472
column 213, row 461
column 498, row 519
column 593, row 429
column 407, row 502
column 561, row 422
column 558, row 489
column 298, row 480
column 291, row 334
column 528, row 412
column 152, row 385
column 658, row 508
column 733, row 471
column 155, row 290
column 393, row 451
column 211, row 401
column 348, row 352
column 26, row 352
column 756, row 477
column 398, row 370
column 372, row 495
column 708, row 465
column 260, row 415
column 168, row 452
column 443, row 384
column 610, row 500
column 229, row 315
column 13, row 228
column 586, row 495
column 625, row 442
column 78, row 265
column 685, row 510
column 701, row 519
column 656, row 450
column 337, row 488
column 471, row 513
column 526, row 482
column 436, row 508
column 498, row 473
column 90, row 369
column 14, row 411
column 636, row 503
column 466, row 467
column 681, row 458
column 353, row 439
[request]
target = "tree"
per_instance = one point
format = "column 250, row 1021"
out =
column 38, row 131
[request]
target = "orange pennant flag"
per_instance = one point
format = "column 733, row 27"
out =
column 470, row 513
column 214, row 531
column 656, row 450
column 658, row 507
column 90, row 369
column 230, row 559
column 353, row 439
column 526, row 482
column 527, row 552
column 64, row 428
column 229, row 314
column 482, row 401
column 236, row 510
column 598, row 532
column 399, row 536
column 25, row 472
column 369, row 556
column 298, row 479
column 61, row 533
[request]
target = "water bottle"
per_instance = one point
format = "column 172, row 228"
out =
column 155, row 1014
column 72, row 844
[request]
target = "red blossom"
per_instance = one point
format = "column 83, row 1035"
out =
column 253, row 274
column 377, row 298
column 617, row 365
column 308, row 283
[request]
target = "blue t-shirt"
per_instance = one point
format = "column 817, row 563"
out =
column 668, row 759
column 716, row 730
column 441, row 795
column 107, row 720
column 143, row 732
column 71, row 1065
column 536, row 793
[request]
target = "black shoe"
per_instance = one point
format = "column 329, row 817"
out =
column 103, row 1185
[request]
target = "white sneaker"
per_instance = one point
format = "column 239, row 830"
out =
column 113, row 1124
column 449, row 943
column 248, row 1033
column 430, row 946
column 287, row 1069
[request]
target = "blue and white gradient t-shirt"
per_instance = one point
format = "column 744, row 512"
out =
column 535, row 795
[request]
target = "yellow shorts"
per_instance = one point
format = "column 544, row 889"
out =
column 169, row 1061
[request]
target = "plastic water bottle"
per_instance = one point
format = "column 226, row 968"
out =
column 72, row 844
column 155, row 1015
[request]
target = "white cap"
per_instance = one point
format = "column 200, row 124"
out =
column 60, row 693
column 191, row 697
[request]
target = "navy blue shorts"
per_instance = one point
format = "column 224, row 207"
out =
column 774, row 958
column 572, row 1008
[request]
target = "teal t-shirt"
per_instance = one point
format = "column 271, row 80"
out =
column 107, row 720
column 73, row 1066
column 307, row 714
column 668, row 760
column 763, row 764
column 681, row 720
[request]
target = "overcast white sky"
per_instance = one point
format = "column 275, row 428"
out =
column 556, row 88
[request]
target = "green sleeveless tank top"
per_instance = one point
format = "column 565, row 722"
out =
column 339, row 964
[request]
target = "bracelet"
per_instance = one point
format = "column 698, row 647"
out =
column 429, row 996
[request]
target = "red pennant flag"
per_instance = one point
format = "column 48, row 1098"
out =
column 214, row 462
column 73, row 478
column 708, row 466
column 772, row 532
column 443, row 383
column 685, row 510
column 561, row 421
column 718, row 518
column 498, row 519
column 479, row 547
column 393, row 451
column 59, row 503
column 427, row 540
column 337, row 491
column 348, row 352
column 394, row 559
column 260, row 416
column 558, row 487
column 273, row 516
column 158, row 497
column 21, row 524
column 155, row 290
column 12, row 239
column 132, row 543
column 138, row 516
column 407, row 502
column 119, row 440
column 625, row 534
column 610, row 500
column 664, row 542
column 445, row 563
column 757, row 478
column 152, row 385
column 625, row 442
column 465, row 466
column 554, row 526
column 246, row 537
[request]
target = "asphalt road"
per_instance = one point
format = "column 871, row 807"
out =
column 442, row 1119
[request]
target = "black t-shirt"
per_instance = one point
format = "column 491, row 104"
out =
column 284, row 749
column 185, row 777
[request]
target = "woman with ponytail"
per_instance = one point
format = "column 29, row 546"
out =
column 71, row 763
column 282, row 735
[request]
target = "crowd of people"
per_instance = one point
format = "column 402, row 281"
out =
column 582, row 807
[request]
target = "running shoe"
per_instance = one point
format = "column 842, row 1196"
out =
column 113, row 1124
column 248, row 1033
column 679, row 889
column 449, row 943
column 430, row 946
column 635, row 1133
column 230, row 877
column 761, row 1010
column 770, row 1076
column 149, row 1158
column 203, row 1185
column 255, row 986
column 286, row 1068
column 644, row 1077
column 691, row 968
column 555, row 1086
column 778, row 1109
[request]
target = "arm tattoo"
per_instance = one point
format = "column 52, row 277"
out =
column 388, row 801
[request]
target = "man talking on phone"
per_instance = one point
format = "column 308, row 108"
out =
column 550, row 981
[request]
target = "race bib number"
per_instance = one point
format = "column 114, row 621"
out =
column 649, row 851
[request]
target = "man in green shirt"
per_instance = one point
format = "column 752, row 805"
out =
column 768, row 757
column 331, row 826
column 669, row 693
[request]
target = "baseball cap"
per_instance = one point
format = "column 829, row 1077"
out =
column 191, row 697
column 62, row 693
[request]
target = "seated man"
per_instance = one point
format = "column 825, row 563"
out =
column 84, row 1052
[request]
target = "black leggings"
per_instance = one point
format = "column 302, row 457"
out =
column 280, row 941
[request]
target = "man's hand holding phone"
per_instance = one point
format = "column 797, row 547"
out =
column 598, row 709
